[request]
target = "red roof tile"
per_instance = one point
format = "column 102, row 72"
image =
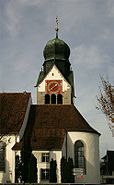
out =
column 58, row 116
column 12, row 111
column 45, row 139
column 48, row 143
column 48, row 124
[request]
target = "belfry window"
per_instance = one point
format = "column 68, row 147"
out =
column 47, row 99
column 2, row 156
column 79, row 154
column 53, row 99
column 59, row 99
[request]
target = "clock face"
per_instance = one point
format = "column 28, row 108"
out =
column 53, row 86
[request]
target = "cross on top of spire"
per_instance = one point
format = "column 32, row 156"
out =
column 56, row 29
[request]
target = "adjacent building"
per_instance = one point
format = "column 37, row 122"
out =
column 107, row 168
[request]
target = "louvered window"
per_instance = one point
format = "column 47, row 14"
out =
column 59, row 99
column 53, row 99
column 47, row 99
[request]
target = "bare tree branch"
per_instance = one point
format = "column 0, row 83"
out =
column 106, row 101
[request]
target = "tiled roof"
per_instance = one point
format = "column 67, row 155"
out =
column 48, row 143
column 58, row 116
column 48, row 124
column 12, row 111
column 45, row 139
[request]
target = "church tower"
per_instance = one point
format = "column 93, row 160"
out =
column 55, row 83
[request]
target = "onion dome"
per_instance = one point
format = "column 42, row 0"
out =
column 56, row 49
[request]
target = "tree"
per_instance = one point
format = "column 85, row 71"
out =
column 67, row 170
column 53, row 168
column 26, row 165
column 26, row 169
column 32, row 169
column 26, row 153
column 70, row 166
column 63, row 170
column 18, row 169
column 106, row 101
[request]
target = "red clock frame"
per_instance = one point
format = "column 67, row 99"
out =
column 53, row 86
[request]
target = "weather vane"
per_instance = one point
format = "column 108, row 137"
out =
column 57, row 29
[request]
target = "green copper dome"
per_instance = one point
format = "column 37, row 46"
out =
column 56, row 49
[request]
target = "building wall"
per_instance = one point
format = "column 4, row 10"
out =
column 22, row 130
column 91, row 144
column 64, row 148
column 54, row 74
column 9, row 174
column 56, row 155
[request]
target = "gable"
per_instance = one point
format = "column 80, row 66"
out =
column 54, row 74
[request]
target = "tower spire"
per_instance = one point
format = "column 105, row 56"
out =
column 57, row 29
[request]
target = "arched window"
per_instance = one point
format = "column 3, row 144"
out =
column 53, row 99
column 79, row 154
column 47, row 99
column 59, row 99
column 2, row 156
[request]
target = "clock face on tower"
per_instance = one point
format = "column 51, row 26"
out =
column 53, row 86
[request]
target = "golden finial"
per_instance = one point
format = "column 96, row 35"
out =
column 57, row 29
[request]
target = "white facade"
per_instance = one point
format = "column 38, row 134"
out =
column 22, row 130
column 55, row 155
column 91, row 152
column 54, row 74
column 9, row 174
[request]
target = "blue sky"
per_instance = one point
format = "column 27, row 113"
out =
column 87, row 26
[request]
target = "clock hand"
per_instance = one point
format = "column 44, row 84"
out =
column 53, row 87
